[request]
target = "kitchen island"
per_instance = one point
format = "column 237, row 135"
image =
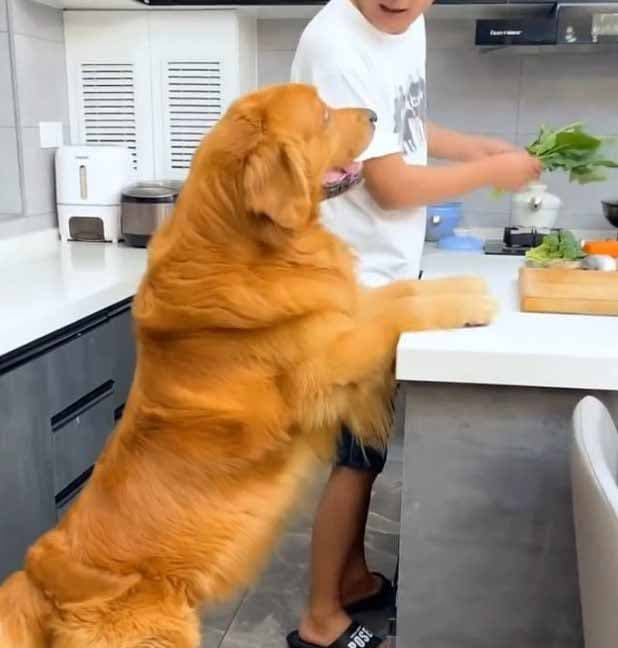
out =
column 487, row 551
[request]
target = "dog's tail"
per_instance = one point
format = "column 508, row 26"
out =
column 24, row 613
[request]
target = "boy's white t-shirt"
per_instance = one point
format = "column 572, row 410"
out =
column 353, row 64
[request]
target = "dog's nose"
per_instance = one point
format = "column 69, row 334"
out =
column 373, row 118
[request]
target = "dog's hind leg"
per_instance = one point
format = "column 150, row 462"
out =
column 161, row 625
column 171, row 640
column 170, row 623
column 175, row 634
column 177, row 637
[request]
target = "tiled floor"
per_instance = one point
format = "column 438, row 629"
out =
column 264, row 615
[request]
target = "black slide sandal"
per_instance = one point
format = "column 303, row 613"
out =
column 383, row 598
column 356, row 636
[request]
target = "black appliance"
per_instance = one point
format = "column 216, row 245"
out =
column 515, row 241
column 582, row 23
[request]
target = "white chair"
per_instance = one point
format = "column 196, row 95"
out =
column 594, row 473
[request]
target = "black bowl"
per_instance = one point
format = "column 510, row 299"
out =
column 610, row 211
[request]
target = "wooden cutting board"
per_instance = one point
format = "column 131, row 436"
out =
column 561, row 290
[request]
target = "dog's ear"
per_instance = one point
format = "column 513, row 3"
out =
column 275, row 184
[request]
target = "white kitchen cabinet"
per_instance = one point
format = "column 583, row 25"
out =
column 156, row 81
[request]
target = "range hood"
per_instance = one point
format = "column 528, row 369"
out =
column 499, row 23
column 585, row 23
column 472, row 7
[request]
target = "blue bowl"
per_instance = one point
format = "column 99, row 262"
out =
column 442, row 220
column 461, row 243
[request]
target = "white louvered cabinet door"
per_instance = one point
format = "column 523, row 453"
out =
column 155, row 81
column 195, row 77
column 107, row 112
column 193, row 104
column 108, row 69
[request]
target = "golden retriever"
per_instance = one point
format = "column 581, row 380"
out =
column 255, row 344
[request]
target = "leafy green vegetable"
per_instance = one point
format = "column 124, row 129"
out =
column 560, row 245
column 574, row 151
column 570, row 149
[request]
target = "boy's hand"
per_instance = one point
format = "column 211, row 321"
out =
column 513, row 171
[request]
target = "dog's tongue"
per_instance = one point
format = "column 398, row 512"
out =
column 334, row 176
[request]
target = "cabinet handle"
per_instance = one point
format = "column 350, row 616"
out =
column 68, row 492
column 81, row 405
column 118, row 412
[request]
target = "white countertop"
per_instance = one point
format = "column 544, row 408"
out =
column 47, row 285
column 525, row 349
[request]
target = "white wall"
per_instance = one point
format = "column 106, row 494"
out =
column 32, row 89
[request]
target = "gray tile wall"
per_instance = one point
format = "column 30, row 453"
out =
column 7, row 106
column 10, row 190
column 3, row 20
column 33, row 88
column 506, row 93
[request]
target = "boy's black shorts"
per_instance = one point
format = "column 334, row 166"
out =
column 352, row 455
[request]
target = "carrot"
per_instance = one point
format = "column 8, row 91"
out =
column 601, row 247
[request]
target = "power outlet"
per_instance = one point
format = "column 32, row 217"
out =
column 51, row 134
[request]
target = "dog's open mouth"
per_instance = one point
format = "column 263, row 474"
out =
column 338, row 180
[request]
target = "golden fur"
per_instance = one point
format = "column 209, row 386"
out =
column 255, row 343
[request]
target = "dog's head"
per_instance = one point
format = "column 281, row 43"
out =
column 284, row 150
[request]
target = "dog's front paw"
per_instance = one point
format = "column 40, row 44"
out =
column 469, row 285
column 479, row 310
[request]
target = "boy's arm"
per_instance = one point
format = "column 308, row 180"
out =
column 447, row 144
column 393, row 184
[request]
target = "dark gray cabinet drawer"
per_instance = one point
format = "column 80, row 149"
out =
column 26, row 479
column 78, row 366
column 123, row 355
column 79, row 434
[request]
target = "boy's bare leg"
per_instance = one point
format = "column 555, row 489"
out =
column 338, row 532
column 358, row 582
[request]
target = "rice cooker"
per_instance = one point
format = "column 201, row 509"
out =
column 144, row 206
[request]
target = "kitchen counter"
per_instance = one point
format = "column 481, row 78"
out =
column 48, row 285
column 487, row 547
column 526, row 349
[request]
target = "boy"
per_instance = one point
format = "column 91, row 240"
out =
column 371, row 53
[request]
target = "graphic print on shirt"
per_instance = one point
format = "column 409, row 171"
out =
column 410, row 114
